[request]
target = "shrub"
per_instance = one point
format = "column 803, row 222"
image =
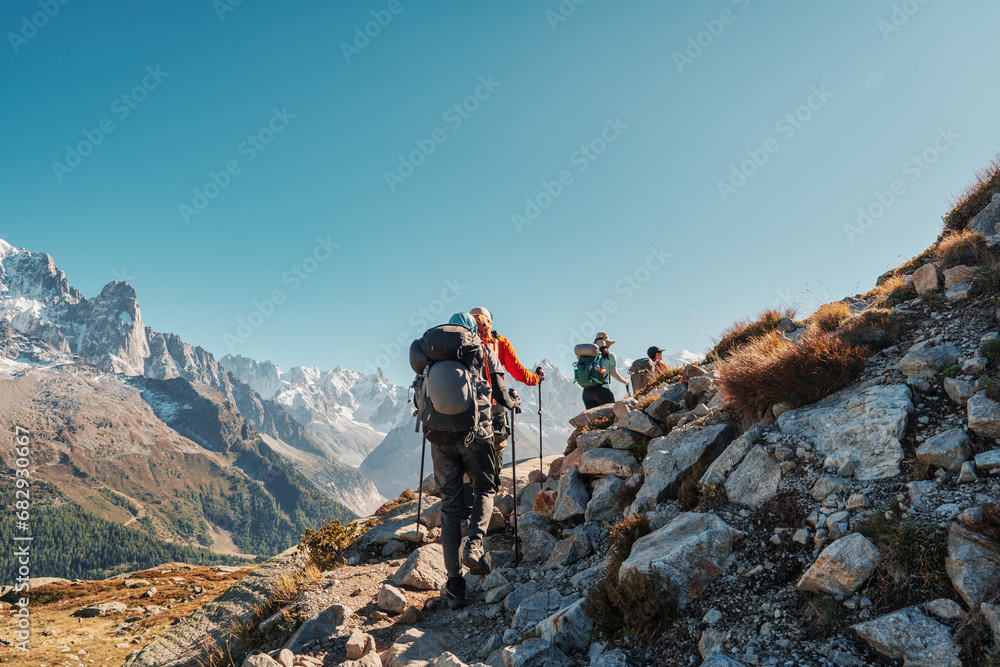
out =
column 785, row 510
column 991, row 350
column 328, row 544
column 624, row 534
column 965, row 247
column 975, row 197
column 663, row 378
column 830, row 316
column 823, row 614
column 641, row 605
column 689, row 494
column 745, row 331
column 874, row 328
column 774, row 370
column 988, row 280
column 991, row 385
column 405, row 497
column 893, row 292
column 628, row 491
column 911, row 569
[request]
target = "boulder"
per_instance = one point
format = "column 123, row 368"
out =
column 617, row 437
column 945, row 609
column 862, row 424
column 368, row 660
column 925, row 362
column 948, row 450
column 827, row 486
column 403, row 529
column 391, row 599
column 689, row 552
column 670, row 459
column 535, row 653
column 959, row 292
column 416, row 648
column 911, row 636
column 670, row 401
column 568, row 627
column 974, row 567
column 926, row 279
column 731, row 457
column 526, row 496
column 988, row 461
column 604, row 462
column 103, row 609
column 603, row 505
column 423, row 570
column 842, row 567
column 545, row 502
column 359, row 644
column 991, row 613
column 987, row 222
column 984, row 415
column 534, row 608
column 756, row 480
column 571, row 497
column 960, row 391
column 588, row 417
column 570, row 550
column 536, row 541
column 623, row 407
column 959, row 275
column 590, row 440
column 318, row 626
column 637, row 422
column 570, row 461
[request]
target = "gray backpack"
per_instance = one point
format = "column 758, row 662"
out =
column 641, row 372
column 451, row 392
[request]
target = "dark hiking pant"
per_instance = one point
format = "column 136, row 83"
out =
column 594, row 397
column 451, row 464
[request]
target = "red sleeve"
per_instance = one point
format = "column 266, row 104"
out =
column 510, row 362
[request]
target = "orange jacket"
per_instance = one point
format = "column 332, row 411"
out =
column 508, row 359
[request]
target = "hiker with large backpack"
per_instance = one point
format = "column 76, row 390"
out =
column 503, row 358
column 452, row 395
column 596, row 365
column 644, row 371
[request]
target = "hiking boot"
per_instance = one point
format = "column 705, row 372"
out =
column 473, row 558
column 454, row 592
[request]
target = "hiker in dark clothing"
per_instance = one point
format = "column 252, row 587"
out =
column 469, row 456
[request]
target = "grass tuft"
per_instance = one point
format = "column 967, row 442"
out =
column 745, row 331
column 957, row 248
column 975, row 197
column 640, row 605
column 830, row 316
column 624, row 535
column 774, row 370
column 991, row 350
column 912, row 569
column 892, row 292
column 663, row 378
column 874, row 328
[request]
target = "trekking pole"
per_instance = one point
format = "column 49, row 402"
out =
column 513, row 476
column 420, row 486
column 541, row 475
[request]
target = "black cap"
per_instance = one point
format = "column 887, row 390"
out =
column 651, row 352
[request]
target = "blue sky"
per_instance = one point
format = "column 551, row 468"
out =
column 279, row 138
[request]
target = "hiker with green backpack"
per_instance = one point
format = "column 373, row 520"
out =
column 596, row 365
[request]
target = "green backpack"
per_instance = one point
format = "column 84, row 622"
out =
column 590, row 370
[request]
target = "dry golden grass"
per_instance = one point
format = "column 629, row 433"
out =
column 892, row 292
column 743, row 331
column 874, row 328
column 830, row 316
column 965, row 247
column 773, row 370
column 975, row 197
column 52, row 607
